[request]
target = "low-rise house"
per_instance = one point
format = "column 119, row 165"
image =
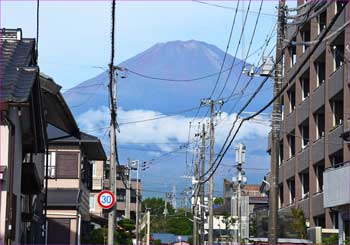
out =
column 69, row 185
column 23, row 140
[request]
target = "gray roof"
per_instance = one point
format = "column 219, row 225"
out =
column 17, row 71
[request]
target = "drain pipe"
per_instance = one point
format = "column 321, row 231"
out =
column 79, row 227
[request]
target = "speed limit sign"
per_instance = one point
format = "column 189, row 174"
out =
column 106, row 199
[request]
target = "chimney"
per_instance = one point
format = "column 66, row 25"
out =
column 11, row 34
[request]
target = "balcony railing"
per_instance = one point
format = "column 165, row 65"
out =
column 336, row 185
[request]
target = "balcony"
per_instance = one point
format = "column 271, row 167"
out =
column 281, row 174
column 317, row 204
column 303, row 159
column 336, row 185
column 339, row 22
column 304, row 205
column 318, row 97
column 289, row 167
column 336, row 82
column 290, row 122
column 334, row 139
column 318, row 150
column 303, row 110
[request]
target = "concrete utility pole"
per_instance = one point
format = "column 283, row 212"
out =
column 195, row 209
column 211, row 103
column 112, row 160
column 276, row 128
column 148, row 227
column 202, row 189
column 127, row 194
column 240, row 179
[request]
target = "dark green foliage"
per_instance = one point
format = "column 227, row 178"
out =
column 177, row 223
column 219, row 201
column 332, row 239
column 125, row 230
column 97, row 236
column 157, row 242
column 299, row 223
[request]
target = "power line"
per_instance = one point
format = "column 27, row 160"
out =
column 236, row 52
column 249, row 47
column 226, row 51
column 227, row 7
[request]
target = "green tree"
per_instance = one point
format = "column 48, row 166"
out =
column 124, row 234
column 156, row 206
column 97, row 236
column 299, row 223
column 179, row 223
column 218, row 201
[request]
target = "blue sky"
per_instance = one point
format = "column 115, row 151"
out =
column 75, row 35
column 75, row 38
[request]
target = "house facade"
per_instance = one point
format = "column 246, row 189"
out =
column 70, row 167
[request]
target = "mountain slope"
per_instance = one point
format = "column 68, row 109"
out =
column 173, row 60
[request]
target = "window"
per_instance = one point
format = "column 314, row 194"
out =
column 337, row 112
column 320, row 123
column 291, row 144
column 293, row 54
column 319, row 169
column 322, row 21
column 338, row 56
column 291, row 187
column 305, row 91
column 121, row 193
column 291, row 97
column 305, row 36
column 339, row 5
column 304, row 129
column 52, row 165
column 337, row 159
column 280, row 199
column 281, row 153
column 92, row 202
column 304, row 178
column 321, row 73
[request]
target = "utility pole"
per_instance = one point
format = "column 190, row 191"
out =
column 127, row 195
column 112, row 134
column 202, row 189
column 276, row 128
column 240, row 179
column 112, row 160
column 195, row 209
column 211, row 103
column 148, row 227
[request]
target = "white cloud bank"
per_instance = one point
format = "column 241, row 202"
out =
column 169, row 129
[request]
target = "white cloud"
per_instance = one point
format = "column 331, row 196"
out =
column 169, row 129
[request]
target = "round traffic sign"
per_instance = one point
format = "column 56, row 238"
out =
column 106, row 199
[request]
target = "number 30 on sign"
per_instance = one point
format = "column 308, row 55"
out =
column 106, row 199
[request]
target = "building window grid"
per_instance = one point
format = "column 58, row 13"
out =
column 305, row 184
column 291, row 187
column 305, row 85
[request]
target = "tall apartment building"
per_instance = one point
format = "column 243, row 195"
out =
column 314, row 171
